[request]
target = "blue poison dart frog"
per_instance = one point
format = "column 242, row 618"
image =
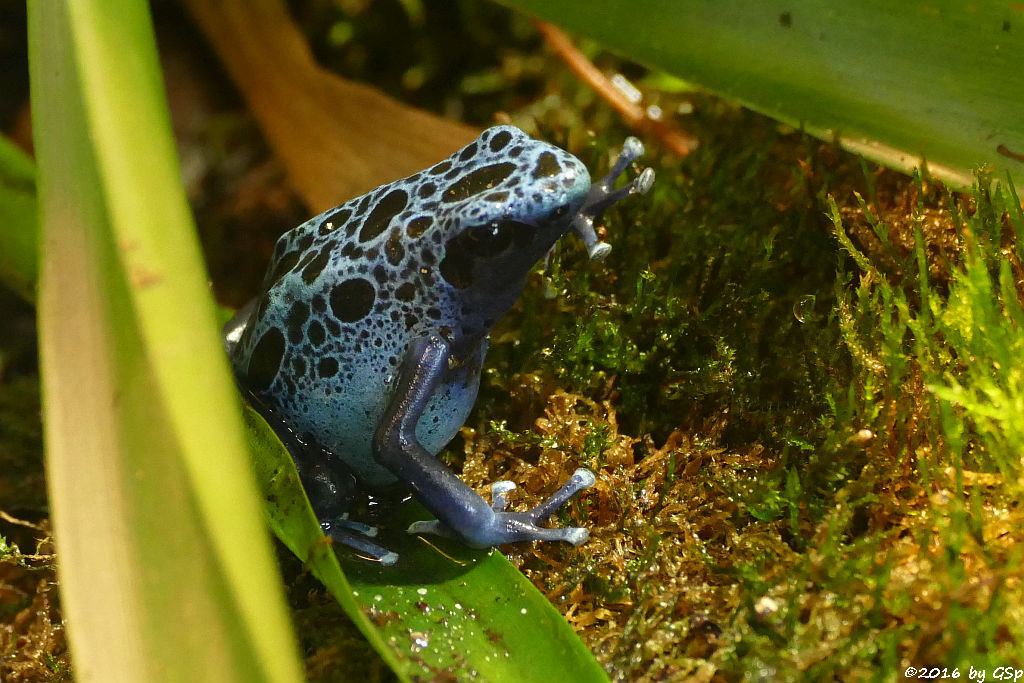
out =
column 364, row 350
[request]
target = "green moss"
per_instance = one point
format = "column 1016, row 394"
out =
column 813, row 366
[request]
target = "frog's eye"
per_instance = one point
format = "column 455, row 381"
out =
column 463, row 252
column 488, row 240
column 494, row 238
column 522, row 233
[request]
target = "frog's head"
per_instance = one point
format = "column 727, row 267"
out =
column 512, row 201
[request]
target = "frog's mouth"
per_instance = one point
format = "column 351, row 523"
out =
column 601, row 196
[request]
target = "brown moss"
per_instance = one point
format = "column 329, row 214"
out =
column 32, row 644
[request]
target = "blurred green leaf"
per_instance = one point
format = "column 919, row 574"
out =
column 895, row 82
column 166, row 572
column 17, row 220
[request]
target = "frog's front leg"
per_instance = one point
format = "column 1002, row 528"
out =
column 459, row 510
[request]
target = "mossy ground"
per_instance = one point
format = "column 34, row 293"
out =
column 796, row 374
column 806, row 417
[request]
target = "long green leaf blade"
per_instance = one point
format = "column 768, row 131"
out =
column 166, row 573
column 894, row 81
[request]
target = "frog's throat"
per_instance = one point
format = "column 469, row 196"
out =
column 601, row 196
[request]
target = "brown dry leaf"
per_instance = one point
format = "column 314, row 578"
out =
column 337, row 139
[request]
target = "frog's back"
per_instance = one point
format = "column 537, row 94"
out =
column 349, row 290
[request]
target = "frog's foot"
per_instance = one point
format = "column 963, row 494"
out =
column 356, row 535
column 501, row 527
column 601, row 196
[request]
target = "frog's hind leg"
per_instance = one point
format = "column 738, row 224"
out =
column 460, row 511
column 330, row 487
column 601, row 196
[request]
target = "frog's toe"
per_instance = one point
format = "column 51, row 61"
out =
column 351, row 525
column 571, row 534
column 388, row 558
column 580, row 480
column 498, row 491
column 432, row 527
column 643, row 183
column 632, row 149
column 575, row 535
column 355, row 535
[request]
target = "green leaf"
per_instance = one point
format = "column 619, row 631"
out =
column 893, row 81
column 441, row 607
column 166, row 571
column 17, row 220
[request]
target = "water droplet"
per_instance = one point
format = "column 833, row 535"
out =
column 862, row 438
column 766, row 606
column 803, row 309
column 419, row 640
